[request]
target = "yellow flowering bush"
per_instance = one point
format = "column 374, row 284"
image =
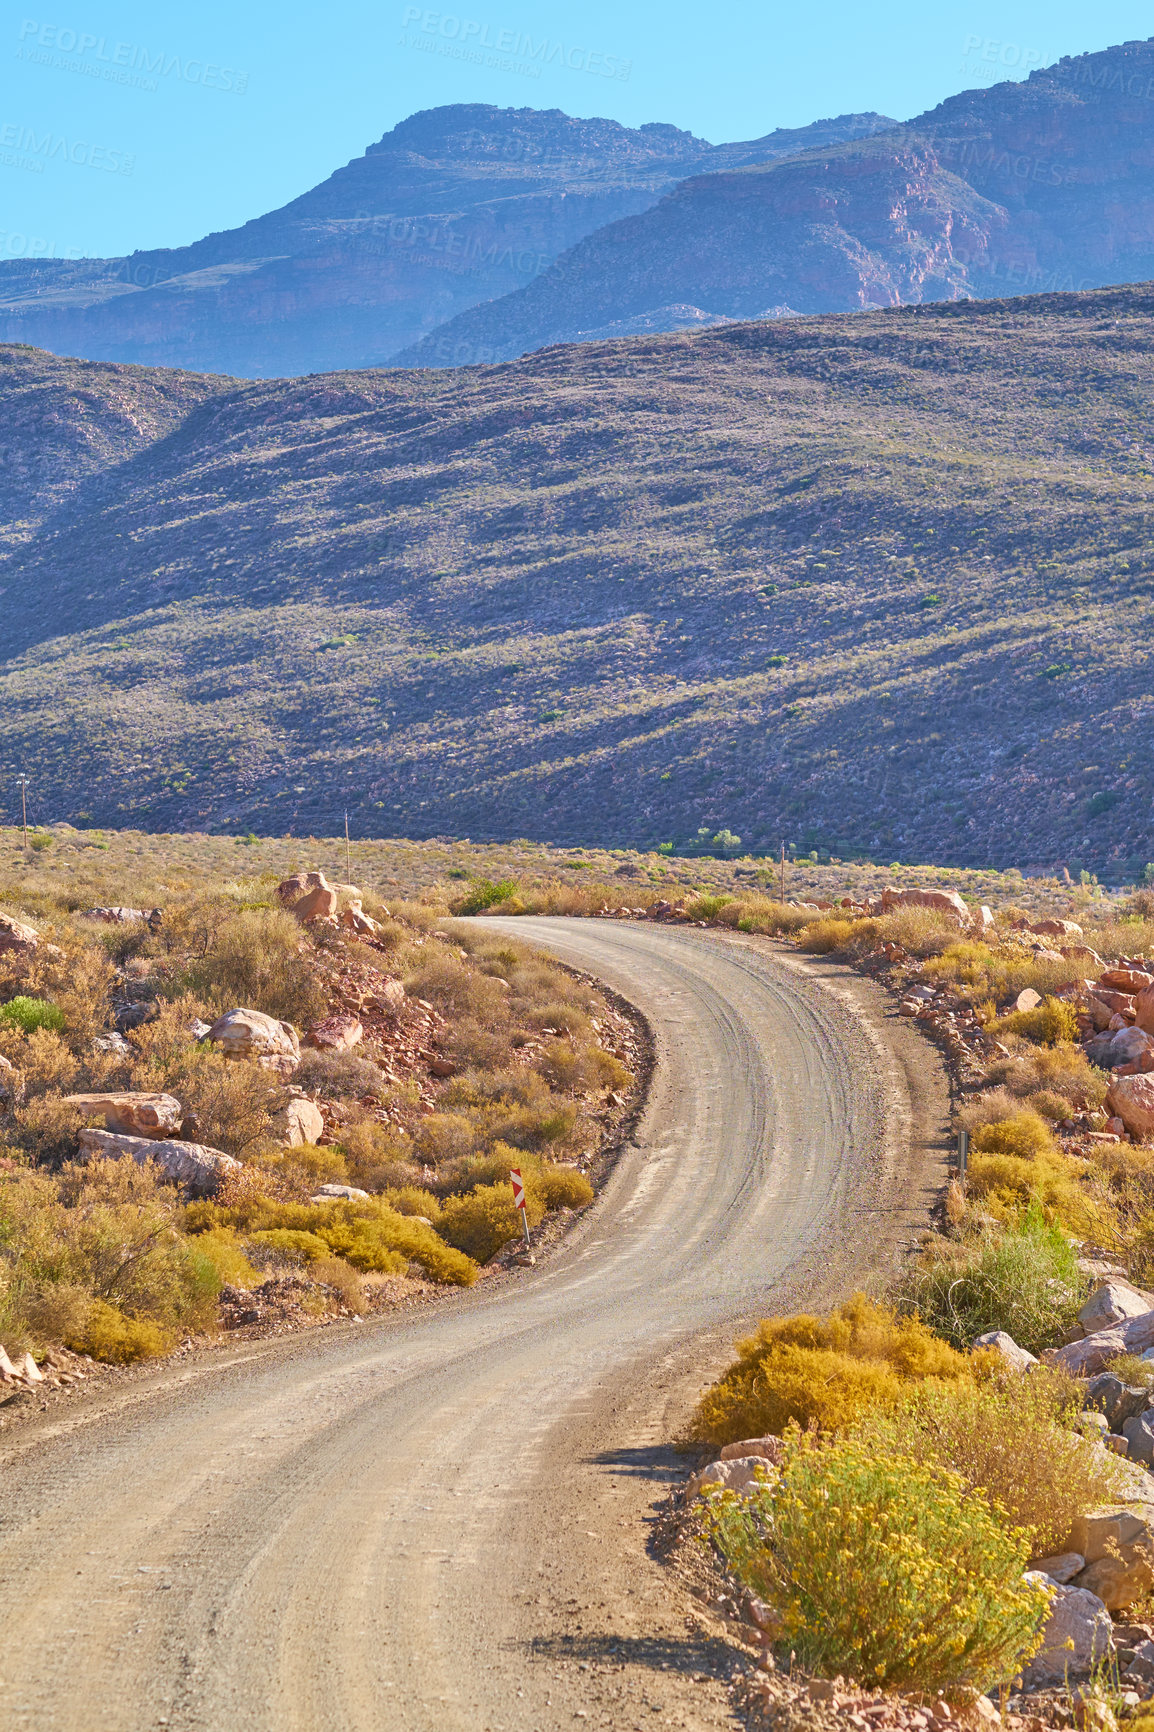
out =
column 824, row 1371
column 883, row 1568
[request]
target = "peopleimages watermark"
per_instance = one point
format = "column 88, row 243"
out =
column 127, row 63
column 507, row 49
column 31, row 147
column 16, row 245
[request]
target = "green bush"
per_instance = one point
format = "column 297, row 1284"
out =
column 1024, row 1280
column 109, row 1335
column 824, row 1373
column 486, row 894
column 884, row 1568
column 29, row 1013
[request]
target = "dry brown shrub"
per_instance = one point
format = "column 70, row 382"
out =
column 259, row 958
column 336, row 1273
column 468, row 1043
column 456, row 991
column 1061, row 1070
column 444, row 1137
column 47, row 1130
column 345, row 1075
column 923, row 932
column 45, row 1063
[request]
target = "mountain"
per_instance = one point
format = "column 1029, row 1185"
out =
column 1039, row 185
column 880, row 582
column 455, row 205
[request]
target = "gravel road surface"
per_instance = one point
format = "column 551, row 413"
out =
column 438, row 1522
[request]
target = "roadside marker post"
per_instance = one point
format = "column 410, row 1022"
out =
column 519, row 1200
column 963, row 1153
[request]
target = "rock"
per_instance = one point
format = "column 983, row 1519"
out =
column 191, row 1164
column 1113, row 1302
column 1131, row 1098
column 7, row 1369
column 326, row 1193
column 1084, row 1358
column 1130, row 980
column 1117, row 1046
column 1083, row 954
column 1017, row 1358
column 336, row 1033
column 770, row 1448
column 1056, row 928
column 1117, row 1003
column 1144, row 1009
column 984, row 918
column 944, row 901
column 137, row 1115
column 112, row 1043
column 388, row 995
column 737, row 1474
column 1117, row 1400
column 28, row 1369
column 1118, row 1582
column 290, row 890
column 1076, row 1635
column 250, row 1034
column 9, row 1078
column 354, row 917
column 298, row 1122
column 1112, row 1530
column 16, row 939
column 1061, row 1569
column 1027, row 999
column 318, row 904
column 1138, row 1431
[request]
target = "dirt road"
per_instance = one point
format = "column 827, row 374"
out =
column 438, row 1522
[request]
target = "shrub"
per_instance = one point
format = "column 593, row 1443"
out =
column 1051, row 1023
column 293, row 1243
column 1024, row 1280
column 823, row 1372
column 1063, row 1069
column 884, row 1569
column 824, row 936
column 340, row 1074
column 485, row 894
column 27, row 1014
column 258, row 958
column 485, row 1219
column 109, row 1335
column 1016, row 1446
column 564, row 1188
column 1014, row 1163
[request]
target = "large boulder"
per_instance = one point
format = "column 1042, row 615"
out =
column 309, row 896
column 192, row 1164
column 1144, row 1009
column 1117, row 1046
column 1131, row 1099
column 1061, row 1568
column 1077, row 1635
column 250, row 1034
column 137, row 1115
column 1130, row 980
column 17, row 939
column 771, row 1449
column 354, row 917
column 1093, row 1353
column 1015, row 1358
column 1113, row 1302
column 1138, row 1431
column 299, row 1122
column 1116, row 1400
column 336, row 1033
column 1056, row 928
column 944, row 901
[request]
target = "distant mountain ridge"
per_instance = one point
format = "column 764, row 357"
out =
column 455, row 205
column 1034, row 186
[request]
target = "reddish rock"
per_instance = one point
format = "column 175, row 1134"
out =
column 137, row 1115
column 1130, row 980
column 1056, row 928
column 192, row 1164
column 1131, row 1098
column 1144, row 1009
column 17, row 939
column 1118, row 1003
column 336, row 1033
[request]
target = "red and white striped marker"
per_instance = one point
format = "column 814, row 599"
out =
column 519, row 1199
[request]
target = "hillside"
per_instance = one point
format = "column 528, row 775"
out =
column 1039, row 185
column 879, row 583
column 455, row 205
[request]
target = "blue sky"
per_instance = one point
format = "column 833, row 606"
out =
column 128, row 125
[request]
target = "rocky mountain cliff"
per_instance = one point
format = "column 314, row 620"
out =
column 1033, row 186
column 455, row 205
column 878, row 582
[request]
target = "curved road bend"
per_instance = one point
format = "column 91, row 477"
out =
column 437, row 1521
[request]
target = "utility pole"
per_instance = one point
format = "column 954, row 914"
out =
column 783, row 871
column 22, row 783
column 348, row 858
